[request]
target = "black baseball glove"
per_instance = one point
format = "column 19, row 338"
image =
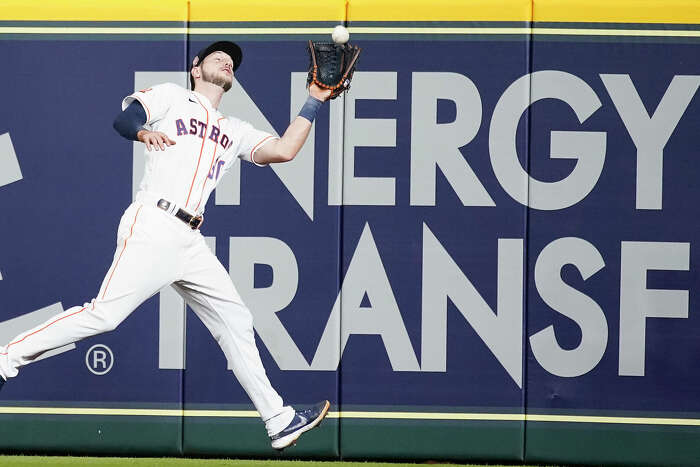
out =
column 332, row 65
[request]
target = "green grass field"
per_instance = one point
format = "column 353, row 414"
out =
column 44, row 461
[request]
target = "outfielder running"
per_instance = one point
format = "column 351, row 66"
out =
column 189, row 146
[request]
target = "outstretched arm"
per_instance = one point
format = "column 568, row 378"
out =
column 286, row 148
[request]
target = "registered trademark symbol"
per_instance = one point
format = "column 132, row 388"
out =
column 99, row 359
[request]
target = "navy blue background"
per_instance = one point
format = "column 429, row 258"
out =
column 59, row 229
column 606, row 217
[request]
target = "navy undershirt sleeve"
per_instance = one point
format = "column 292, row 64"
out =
column 130, row 121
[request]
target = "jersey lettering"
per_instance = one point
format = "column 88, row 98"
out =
column 216, row 168
column 181, row 129
column 202, row 129
column 214, row 136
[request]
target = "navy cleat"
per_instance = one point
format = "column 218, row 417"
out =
column 303, row 421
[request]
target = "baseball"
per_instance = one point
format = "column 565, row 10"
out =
column 340, row 34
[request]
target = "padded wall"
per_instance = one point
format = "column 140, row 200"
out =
column 483, row 252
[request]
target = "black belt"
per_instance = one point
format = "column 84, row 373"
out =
column 195, row 222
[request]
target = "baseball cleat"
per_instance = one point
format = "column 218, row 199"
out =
column 303, row 421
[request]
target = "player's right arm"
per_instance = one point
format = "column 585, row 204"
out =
column 286, row 148
column 129, row 123
column 143, row 109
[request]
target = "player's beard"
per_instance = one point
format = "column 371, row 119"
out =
column 217, row 79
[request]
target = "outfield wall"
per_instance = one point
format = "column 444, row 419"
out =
column 485, row 250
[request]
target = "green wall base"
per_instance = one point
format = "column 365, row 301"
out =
column 611, row 444
column 431, row 439
column 246, row 437
column 90, row 434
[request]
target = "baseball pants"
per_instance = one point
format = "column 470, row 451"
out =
column 155, row 249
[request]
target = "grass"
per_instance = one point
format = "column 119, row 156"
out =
column 50, row 461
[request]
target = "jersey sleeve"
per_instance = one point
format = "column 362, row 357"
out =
column 252, row 139
column 155, row 100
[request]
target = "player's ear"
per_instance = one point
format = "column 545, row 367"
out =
column 195, row 72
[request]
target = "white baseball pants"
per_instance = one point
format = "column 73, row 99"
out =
column 155, row 249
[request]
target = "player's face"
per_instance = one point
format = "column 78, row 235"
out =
column 217, row 68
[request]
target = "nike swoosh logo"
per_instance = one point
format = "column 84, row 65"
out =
column 193, row 101
column 303, row 422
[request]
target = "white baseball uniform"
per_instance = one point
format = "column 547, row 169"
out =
column 156, row 249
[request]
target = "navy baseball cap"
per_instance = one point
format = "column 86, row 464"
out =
column 230, row 48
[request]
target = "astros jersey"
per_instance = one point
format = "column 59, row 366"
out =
column 207, row 144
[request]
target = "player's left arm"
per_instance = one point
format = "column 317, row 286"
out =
column 286, row 148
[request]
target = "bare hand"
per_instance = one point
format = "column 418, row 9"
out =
column 319, row 93
column 154, row 140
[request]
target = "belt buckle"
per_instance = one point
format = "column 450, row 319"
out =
column 195, row 222
column 163, row 204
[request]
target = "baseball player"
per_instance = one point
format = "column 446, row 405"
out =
column 189, row 145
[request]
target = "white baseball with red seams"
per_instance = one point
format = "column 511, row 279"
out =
column 155, row 249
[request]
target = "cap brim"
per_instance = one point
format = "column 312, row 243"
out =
column 230, row 48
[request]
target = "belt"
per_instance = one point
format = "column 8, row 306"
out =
column 194, row 222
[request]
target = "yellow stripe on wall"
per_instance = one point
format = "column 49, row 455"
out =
column 366, row 30
column 577, row 11
column 91, row 10
column 476, row 416
column 173, row 10
column 618, row 11
column 267, row 10
column 439, row 10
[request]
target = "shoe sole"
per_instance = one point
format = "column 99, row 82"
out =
column 288, row 440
